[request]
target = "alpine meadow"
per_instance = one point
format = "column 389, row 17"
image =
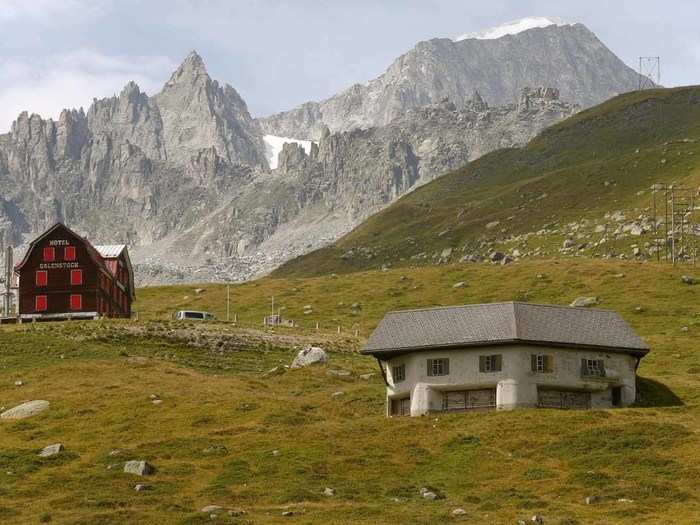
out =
column 462, row 291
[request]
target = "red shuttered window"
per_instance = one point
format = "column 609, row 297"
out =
column 40, row 303
column 69, row 253
column 76, row 277
column 49, row 254
column 42, row 278
column 76, row 302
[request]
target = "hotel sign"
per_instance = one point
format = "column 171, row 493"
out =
column 59, row 266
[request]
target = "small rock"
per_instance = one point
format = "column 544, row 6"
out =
column 459, row 512
column 329, row 491
column 309, row 356
column 28, row 409
column 288, row 513
column 506, row 260
column 157, row 401
column 115, row 452
column 625, row 500
column 337, row 394
column 583, row 302
column 51, row 450
column 591, row 500
column 356, row 306
column 568, row 243
column 491, row 225
column 537, row 519
column 275, row 453
column 234, row 513
column 366, row 377
column 687, row 279
column 198, row 290
column 446, row 253
column 141, row 487
column 211, row 508
column 18, row 383
column 154, row 396
column 684, row 329
column 428, row 494
column 138, row 467
column 460, row 284
column 496, row 256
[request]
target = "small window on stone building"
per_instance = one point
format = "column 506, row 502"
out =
column 438, row 367
column 542, row 363
column 490, row 363
column 592, row 368
column 398, row 373
column 401, row 407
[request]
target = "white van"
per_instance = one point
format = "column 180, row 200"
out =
column 192, row 315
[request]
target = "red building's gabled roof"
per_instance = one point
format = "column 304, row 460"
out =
column 94, row 255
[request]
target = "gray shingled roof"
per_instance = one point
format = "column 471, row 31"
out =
column 500, row 323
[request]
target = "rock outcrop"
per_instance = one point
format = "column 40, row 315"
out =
column 202, row 203
column 567, row 57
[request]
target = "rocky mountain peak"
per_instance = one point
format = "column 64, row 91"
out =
column 192, row 70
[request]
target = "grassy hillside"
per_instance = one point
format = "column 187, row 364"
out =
column 602, row 160
column 227, row 433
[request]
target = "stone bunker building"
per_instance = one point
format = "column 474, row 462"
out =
column 505, row 356
column 63, row 276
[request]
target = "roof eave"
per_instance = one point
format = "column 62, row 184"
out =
column 639, row 352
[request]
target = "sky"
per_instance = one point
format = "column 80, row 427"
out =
column 280, row 53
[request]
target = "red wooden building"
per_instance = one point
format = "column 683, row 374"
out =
column 63, row 276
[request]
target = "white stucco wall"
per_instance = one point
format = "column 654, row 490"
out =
column 516, row 384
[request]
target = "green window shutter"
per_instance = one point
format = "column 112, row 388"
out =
column 533, row 362
column 430, row 367
column 447, row 367
column 498, row 360
column 584, row 367
column 482, row 363
column 601, row 367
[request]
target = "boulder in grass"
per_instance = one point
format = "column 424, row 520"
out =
column 28, row 409
column 138, row 467
column 583, row 302
column 310, row 355
column 687, row 279
column 51, row 450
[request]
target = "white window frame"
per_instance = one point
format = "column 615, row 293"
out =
column 398, row 373
column 438, row 367
column 593, row 369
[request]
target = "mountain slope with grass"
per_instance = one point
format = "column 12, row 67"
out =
column 198, row 402
column 586, row 179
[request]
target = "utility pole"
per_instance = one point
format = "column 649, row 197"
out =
column 7, row 296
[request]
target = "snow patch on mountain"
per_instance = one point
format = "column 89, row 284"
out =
column 514, row 27
column 274, row 144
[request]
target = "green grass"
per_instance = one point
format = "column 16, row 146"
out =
column 601, row 160
column 213, row 436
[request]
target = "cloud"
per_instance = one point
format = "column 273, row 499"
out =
column 39, row 9
column 72, row 80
